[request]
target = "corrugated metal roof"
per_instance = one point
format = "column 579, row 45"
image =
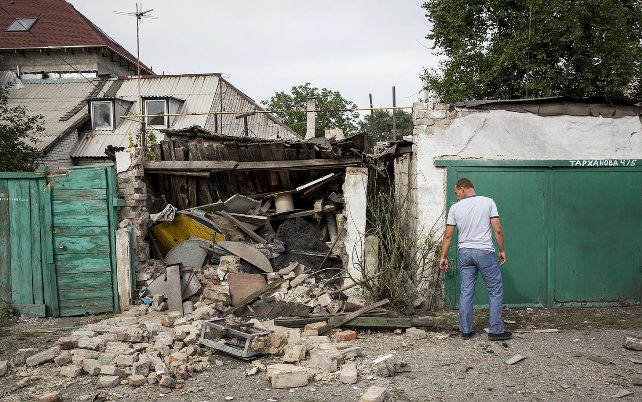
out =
column 199, row 95
column 53, row 100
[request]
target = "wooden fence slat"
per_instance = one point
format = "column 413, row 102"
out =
column 74, row 263
column 48, row 267
column 21, row 283
column 36, row 242
column 5, row 242
column 78, row 179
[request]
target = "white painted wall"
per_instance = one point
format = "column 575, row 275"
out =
column 446, row 133
column 355, row 193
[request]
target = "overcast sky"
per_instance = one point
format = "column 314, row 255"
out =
column 356, row 47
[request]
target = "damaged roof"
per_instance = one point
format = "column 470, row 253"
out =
column 562, row 105
column 200, row 95
column 61, row 103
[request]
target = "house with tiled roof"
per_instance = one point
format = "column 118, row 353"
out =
column 51, row 39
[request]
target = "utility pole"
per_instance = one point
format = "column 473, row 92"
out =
column 372, row 117
column 394, row 114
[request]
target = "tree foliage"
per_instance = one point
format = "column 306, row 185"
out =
column 326, row 99
column 506, row 49
column 18, row 133
column 383, row 124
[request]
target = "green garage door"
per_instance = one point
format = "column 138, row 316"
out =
column 573, row 234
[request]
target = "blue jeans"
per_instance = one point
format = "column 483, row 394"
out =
column 471, row 261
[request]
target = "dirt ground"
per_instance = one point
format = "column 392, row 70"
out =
column 584, row 361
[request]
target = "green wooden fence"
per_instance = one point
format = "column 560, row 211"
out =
column 57, row 241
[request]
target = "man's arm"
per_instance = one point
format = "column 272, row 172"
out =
column 445, row 245
column 499, row 236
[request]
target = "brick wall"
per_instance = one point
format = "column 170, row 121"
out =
column 58, row 157
column 90, row 161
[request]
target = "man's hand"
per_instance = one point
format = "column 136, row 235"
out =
column 501, row 257
column 443, row 264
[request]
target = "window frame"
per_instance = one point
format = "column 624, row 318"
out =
column 21, row 26
column 165, row 112
column 111, row 109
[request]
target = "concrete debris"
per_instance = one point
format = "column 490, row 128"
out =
column 416, row 333
column 3, row 367
column 374, row 394
column 621, row 393
column 43, row 357
column 387, row 366
column 108, row 381
column 50, row 397
column 63, row 358
column 515, row 359
column 287, row 376
column 633, row 342
column 349, row 373
column 71, row 371
column 344, row 336
column 137, row 380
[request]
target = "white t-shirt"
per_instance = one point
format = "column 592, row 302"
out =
column 471, row 216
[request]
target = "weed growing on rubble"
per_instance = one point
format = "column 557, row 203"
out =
column 407, row 263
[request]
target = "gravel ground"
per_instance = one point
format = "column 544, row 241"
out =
column 558, row 366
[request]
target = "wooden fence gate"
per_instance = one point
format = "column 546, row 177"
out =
column 57, row 241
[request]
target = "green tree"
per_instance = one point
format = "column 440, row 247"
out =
column 506, row 49
column 383, row 124
column 18, row 133
column 326, row 100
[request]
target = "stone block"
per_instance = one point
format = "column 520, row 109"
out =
column 345, row 336
column 633, row 342
column 112, row 370
column 416, row 333
column 141, row 368
column 230, row 263
column 167, row 381
column 137, row 380
column 312, row 329
column 349, row 373
column 20, row 358
column 374, row 394
column 314, row 341
column 91, row 366
column 78, row 355
column 91, row 343
column 177, row 357
column 43, row 357
column 352, row 353
column 50, row 397
column 287, row 376
column 4, row 367
column 324, row 299
column 294, row 353
column 325, row 360
column 125, row 360
column 63, row 358
column 71, row 371
column 108, row 381
column 68, row 342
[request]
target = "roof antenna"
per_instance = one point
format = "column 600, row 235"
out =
column 140, row 15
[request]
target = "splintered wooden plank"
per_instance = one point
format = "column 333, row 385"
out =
column 348, row 317
column 245, row 156
column 80, row 179
column 278, row 152
column 5, row 243
column 19, row 208
column 80, row 213
column 266, row 153
column 36, row 242
column 77, row 263
column 79, row 195
column 81, row 231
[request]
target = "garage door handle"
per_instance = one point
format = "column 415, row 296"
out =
column 61, row 246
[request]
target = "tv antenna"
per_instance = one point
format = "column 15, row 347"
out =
column 140, row 16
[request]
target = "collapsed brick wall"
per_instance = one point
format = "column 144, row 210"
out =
column 132, row 189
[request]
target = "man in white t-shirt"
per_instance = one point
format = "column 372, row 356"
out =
column 475, row 217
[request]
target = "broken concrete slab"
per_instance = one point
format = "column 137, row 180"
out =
column 633, row 342
column 91, row 343
column 173, row 290
column 43, row 357
column 247, row 253
column 4, row 367
column 374, row 394
column 349, row 373
column 108, row 381
column 20, row 358
column 112, row 370
column 325, row 360
column 91, row 366
column 294, row 353
column 63, row 358
column 515, row 359
column 287, row 376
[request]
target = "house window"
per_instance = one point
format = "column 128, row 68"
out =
column 21, row 24
column 156, row 106
column 102, row 115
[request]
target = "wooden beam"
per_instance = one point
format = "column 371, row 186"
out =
column 349, row 317
column 218, row 166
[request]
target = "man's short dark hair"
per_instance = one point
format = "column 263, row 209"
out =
column 464, row 183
